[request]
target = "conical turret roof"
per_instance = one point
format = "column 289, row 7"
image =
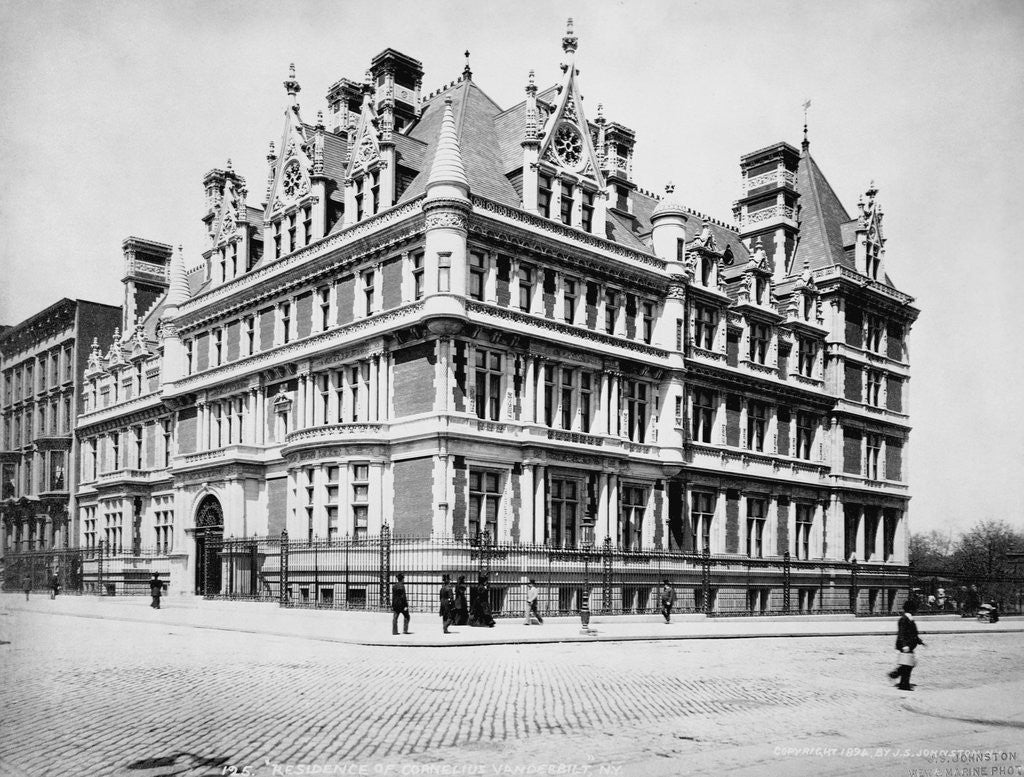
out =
column 178, row 292
column 448, row 168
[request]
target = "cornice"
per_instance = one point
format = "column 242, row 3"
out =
column 718, row 375
column 88, row 422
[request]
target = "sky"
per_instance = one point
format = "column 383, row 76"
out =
column 112, row 112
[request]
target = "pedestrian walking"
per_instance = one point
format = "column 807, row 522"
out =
column 907, row 640
column 480, row 604
column 447, row 603
column 532, row 592
column 399, row 604
column 27, row 585
column 54, row 587
column 668, row 599
column 461, row 605
column 156, row 588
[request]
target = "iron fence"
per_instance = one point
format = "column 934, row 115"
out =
column 357, row 572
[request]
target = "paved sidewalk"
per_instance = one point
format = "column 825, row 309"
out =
column 374, row 628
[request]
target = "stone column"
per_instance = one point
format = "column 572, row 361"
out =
column 373, row 414
column 529, row 413
column 540, row 508
column 613, row 508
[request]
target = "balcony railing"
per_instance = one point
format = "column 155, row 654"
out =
column 767, row 214
column 784, row 177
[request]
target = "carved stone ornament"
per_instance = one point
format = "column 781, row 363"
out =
column 294, row 182
column 448, row 219
column 568, row 146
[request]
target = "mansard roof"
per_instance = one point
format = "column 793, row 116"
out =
column 821, row 221
column 475, row 115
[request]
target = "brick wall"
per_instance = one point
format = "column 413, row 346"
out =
column 783, row 525
column 346, row 298
column 460, row 480
column 732, row 420
column 414, row 488
column 852, row 382
column 187, row 430
column 732, row 521
column 854, row 324
column 851, row 450
column 391, row 284
column 782, row 435
column 894, row 393
column 277, row 506
column 266, row 329
column 414, row 379
column 201, row 351
column 231, row 336
column 304, row 314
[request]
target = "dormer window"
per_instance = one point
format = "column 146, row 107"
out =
column 622, row 198
column 706, row 268
column 417, row 276
column 223, row 266
column 566, row 204
column 277, row 238
column 544, row 195
column 808, row 307
column 588, row 211
column 807, row 352
column 307, row 224
column 359, row 198
column 874, row 261
column 760, row 285
column 760, row 334
column 292, row 245
column 234, row 260
column 704, row 325
column 374, row 191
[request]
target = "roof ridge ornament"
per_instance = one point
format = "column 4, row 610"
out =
column 467, row 74
column 806, row 143
column 291, row 86
column 569, row 41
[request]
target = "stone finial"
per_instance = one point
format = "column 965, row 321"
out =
column 569, row 40
column 291, row 84
column 447, row 167
column 467, row 74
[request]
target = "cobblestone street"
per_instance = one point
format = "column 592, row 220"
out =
column 102, row 696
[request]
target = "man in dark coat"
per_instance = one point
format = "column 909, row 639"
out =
column 668, row 599
column 54, row 586
column 447, row 603
column 27, row 585
column 480, row 604
column 399, row 605
column 906, row 641
column 461, row 607
column 156, row 587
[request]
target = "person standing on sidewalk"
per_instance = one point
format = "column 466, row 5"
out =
column 399, row 604
column 531, row 603
column 156, row 588
column 907, row 640
column 27, row 585
column 668, row 599
column 461, row 607
column 54, row 586
column 447, row 603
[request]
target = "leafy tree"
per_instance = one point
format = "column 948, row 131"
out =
column 931, row 551
column 982, row 550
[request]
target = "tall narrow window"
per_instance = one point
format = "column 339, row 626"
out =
column 755, row 527
column 876, row 330
column 324, row 295
column 292, row 244
column 477, row 274
column 331, row 501
column 804, row 524
column 137, row 434
column 189, row 356
column 525, row 288
column 360, row 501
column 705, row 323
column 874, row 388
column 308, row 480
column 647, row 312
column 234, row 260
column 368, row 291
column 218, row 346
column 611, row 310
column 286, row 322
column 759, row 337
column 807, row 353
column 307, row 224
column 250, row 335
column 417, row 275
column 570, row 290
column 636, row 409
column 805, row 423
column 567, row 203
column 277, row 238
column 355, row 383
column 703, row 421
column 702, row 514
column 549, row 395
column 564, row 513
column 115, row 449
column 588, row 212
column 239, row 415
column 375, row 192
column 757, row 415
column 544, row 195
column 585, row 395
column 166, row 424
column 566, row 398
column 874, row 448
column 484, row 501
column 488, row 384
column 633, row 503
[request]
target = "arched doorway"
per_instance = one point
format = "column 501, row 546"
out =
column 209, row 534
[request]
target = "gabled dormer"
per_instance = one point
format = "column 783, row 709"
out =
column 755, row 286
column 233, row 226
column 296, row 208
column 804, row 305
column 367, row 180
column 562, row 177
column 869, row 242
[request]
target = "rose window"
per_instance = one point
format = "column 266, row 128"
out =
column 569, row 146
column 292, row 179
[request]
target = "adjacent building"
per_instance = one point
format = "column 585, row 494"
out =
column 41, row 361
column 448, row 318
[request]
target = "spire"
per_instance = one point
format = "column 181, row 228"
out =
column 467, row 74
column 291, row 85
column 806, row 143
column 447, row 167
column 178, row 292
column 569, row 40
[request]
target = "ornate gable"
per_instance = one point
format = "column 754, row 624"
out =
column 294, row 167
column 366, row 144
column 232, row 204
column 567, row 140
